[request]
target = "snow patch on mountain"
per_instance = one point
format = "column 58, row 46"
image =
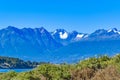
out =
column 118, row 32
column 54, row 32
column 86, row 36
column 113, row 30
column 79, row 35
column 63, row 35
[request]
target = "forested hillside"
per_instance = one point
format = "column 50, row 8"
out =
column 9, row 62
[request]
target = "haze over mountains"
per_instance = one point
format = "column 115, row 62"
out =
column 58, row 46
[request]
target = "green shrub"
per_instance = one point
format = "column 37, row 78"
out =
column 89, row 69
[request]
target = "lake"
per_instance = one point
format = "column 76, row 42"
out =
column 16, row 70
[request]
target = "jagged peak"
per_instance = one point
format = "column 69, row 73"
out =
column 74, row 32
column 11, row 27
column 42, row 30
column 113, row 30
column 99, row 31
column 60, row 30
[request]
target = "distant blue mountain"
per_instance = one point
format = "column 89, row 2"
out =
column 64, row 37
column 58, row 46
column 84, row 49
column 101, row 34
column 26, row 42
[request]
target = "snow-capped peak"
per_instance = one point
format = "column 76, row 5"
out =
column 113, row 30
column 63, row 35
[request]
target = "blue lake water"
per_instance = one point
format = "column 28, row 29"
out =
column 16, row 70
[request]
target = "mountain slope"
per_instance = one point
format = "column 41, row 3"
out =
column 58, row 46
column 26, row 42
column 102, row 34
column 85, row 49
column 64, row 37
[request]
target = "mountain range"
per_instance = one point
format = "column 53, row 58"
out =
column 58, row 46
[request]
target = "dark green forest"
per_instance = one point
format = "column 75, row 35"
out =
column 9, row 62
column 100, row 68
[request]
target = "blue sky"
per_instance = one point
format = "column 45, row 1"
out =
column 81, row 15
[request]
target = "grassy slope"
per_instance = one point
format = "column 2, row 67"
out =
column 101, row 68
